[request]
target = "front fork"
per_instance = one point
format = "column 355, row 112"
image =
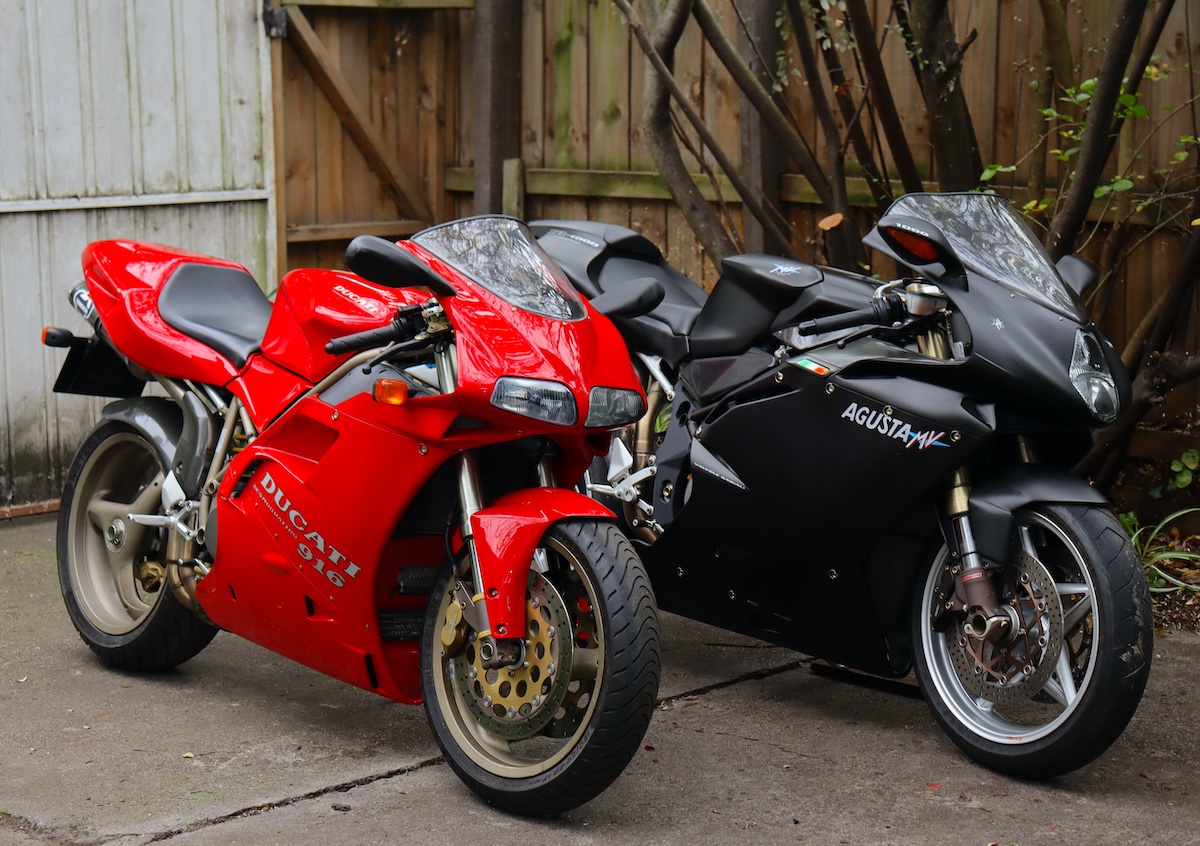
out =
column 973, row 582
column 500, row 648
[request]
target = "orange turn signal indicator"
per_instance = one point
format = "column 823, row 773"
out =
column 390, row 391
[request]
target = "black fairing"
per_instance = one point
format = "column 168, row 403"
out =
column 599, row 257
column 744, row 303
column 835, row 537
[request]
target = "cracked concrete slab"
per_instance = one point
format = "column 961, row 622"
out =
column 750, row 745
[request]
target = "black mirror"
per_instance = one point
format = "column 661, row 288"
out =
column 384, row 263
column 1078, row 273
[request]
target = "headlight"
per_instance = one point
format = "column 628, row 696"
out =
column 1091, row 377
column 541, row 400
column 611, row 407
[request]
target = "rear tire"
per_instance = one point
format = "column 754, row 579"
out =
column 555, row 732
column 107, row 564
column 1034, row 709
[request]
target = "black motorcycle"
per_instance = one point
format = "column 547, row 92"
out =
column 879, row 475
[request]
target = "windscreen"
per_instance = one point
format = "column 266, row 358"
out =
column 990, row 238
column 501, row 255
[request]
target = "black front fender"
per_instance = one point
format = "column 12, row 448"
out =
column 996, row 495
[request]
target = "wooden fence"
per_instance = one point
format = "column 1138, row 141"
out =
column 386, row 115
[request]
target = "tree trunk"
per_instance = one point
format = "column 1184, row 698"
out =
column 937, row 60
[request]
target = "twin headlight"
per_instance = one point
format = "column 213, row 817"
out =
column 555, row 403
column 1092, row 379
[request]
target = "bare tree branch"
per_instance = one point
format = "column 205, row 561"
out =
column 1095, row 144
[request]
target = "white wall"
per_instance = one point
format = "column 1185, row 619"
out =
column 145, row 119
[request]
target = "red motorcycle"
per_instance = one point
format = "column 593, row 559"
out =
column 370, row 476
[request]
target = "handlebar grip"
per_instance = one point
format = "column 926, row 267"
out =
column 820, row 325
column 883, row 312
column 362, row 340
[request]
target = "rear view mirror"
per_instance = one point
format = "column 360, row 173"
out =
column 384, row 263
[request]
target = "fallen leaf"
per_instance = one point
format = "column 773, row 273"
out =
column 23, row 679
column 831, row 222
column 188, row 755
column 338, row 806
column 934, row 785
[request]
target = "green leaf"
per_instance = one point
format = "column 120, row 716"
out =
column 1122, row 184
column 1176, row 466
column 1127, row 100
column 989, row 172
column 1155, row 493
column 1181, row 156
column 1183, row 478
column 1101, row 190
column 1191, row 459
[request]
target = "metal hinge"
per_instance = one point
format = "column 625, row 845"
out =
column 275, row 20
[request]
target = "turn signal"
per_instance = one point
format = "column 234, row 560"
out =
column 920, row 247
column 390, row 391
column 52, row 336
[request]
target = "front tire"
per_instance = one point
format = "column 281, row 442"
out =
column 110, row 569
column 1064, row 689
column 550, row 734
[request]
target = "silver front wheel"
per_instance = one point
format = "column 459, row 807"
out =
column 1063, row 685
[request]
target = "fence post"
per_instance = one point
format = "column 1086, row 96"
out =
column 497, row 97
column 513, row 199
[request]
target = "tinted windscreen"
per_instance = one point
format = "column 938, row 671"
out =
column 991, row 239
column 501, row 254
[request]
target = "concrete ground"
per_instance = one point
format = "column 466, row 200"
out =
column 749, row 745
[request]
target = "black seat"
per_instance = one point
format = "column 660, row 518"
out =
column 221, row 306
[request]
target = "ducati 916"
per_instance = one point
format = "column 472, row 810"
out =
column 878, row 475
column 367, row 476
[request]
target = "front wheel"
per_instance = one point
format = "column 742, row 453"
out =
column 1066, row 684
column 554, row 730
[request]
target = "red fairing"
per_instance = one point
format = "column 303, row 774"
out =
column 315, row 305
column 124, row 279
column 506, row 341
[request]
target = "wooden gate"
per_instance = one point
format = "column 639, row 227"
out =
column 365, row 114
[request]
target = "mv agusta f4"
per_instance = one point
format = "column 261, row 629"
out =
column 364, row 476
column 878, row 475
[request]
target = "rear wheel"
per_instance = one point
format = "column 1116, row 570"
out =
column 112, row 570
column 554, row 730
column 1064, row 687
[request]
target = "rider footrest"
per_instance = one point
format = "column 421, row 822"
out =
column 401, row 625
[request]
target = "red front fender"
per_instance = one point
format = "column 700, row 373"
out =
column 506, row 533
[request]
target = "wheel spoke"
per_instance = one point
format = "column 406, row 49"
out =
column 585, row 663
column 1074, row 615
column 1061, row 685
column 102, row 511
column 149, row 500
column 1027, row 543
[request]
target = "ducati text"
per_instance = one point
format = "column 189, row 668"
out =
column 311, row 545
